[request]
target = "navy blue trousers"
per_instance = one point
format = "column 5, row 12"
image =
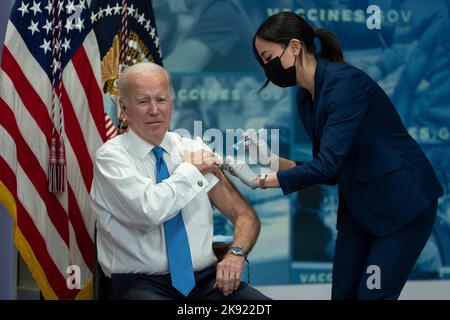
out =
column 357, row 250
column 159, row 287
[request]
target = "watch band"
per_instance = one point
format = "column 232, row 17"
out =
column 262, row 181
column 238, row 251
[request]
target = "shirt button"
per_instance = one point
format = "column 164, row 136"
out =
column 200, row 183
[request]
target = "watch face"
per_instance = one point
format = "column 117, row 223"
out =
column 237, row 251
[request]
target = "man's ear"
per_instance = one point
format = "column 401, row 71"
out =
column 123, row 106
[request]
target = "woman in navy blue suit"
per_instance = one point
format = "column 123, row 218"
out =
column 388, row 190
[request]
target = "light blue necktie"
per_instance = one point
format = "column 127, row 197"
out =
column 177, row 243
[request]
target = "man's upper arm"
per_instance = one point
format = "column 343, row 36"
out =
column 227, row 199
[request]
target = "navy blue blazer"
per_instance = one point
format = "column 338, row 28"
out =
column 360, row 143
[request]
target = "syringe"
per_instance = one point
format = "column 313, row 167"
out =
column 237, row 144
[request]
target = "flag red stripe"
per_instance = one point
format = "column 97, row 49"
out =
column 8, row 177
column 87, row 78
column 35, row 106
column 74, row 133
column 110, row 132
column 34, row 172
column 34, row 238
column 108, row 125
column 83, row 239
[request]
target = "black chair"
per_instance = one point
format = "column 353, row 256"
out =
column 102, row 284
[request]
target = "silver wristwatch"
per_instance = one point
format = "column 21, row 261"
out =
column 238, row 251
column 262, row 181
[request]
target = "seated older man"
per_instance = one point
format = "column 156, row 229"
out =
column 152, row 194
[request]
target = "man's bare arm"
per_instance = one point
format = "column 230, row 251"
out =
column 246, row 230
column 229, row 201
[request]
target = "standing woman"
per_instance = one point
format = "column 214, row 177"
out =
column 388, row 190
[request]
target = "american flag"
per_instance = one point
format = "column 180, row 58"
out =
column 52, row 231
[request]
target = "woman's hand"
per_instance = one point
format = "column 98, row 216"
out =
column 259, row 151
column 242, row 171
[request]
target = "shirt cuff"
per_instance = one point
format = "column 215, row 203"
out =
column 212, row 181
column 197, row 181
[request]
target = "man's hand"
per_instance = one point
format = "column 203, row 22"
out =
column 228, row 274
column 204, row 160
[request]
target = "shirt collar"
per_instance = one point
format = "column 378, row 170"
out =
column 141, row 147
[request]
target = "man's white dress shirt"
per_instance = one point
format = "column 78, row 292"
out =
column 131, row 208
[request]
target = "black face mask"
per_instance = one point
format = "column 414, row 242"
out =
column 278, row 75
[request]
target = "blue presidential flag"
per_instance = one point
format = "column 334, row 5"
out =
column 126, row 34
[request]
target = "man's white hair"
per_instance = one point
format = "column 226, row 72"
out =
column 140, row 68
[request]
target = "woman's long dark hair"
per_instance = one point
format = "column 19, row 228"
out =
column 284, row 26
